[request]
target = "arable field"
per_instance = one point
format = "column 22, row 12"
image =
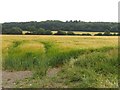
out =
column 60, row 61
column 82, row 32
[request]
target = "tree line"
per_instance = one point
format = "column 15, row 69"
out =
column 45, row 27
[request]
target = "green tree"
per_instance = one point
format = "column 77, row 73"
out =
column 14, row 30
column 40, row 31
column 31, row 28
column 48, row 32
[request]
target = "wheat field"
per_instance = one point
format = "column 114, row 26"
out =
column 84, row 61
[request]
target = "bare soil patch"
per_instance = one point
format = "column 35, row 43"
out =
column 9, row 78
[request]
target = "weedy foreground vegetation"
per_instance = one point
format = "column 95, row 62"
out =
column 62, row 61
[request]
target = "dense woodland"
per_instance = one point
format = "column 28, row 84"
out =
column 45, row 27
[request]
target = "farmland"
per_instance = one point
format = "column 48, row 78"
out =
column 81, row 32
column 62, row 61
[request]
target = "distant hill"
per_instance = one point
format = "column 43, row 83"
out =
column 55, row 25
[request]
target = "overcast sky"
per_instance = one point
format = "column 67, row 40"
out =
column 40, row 10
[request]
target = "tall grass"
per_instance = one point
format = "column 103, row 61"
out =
column 97, row 69
column 41, row 52
column 32, row 56
column 26, row 56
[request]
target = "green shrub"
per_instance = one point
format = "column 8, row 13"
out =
column 60, row 32
column 70, row 33
column 98, row 34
